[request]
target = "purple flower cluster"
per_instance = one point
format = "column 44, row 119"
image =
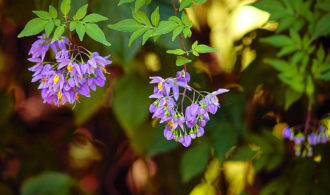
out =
column 182, row 126
column 303, row 145
column 67, row 78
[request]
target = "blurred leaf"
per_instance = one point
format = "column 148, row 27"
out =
column 309, row 86
column 65, row 7
column 147, row 35
column 320, row 54
column 81, row 13
column 139, row 4
column 95, row 32
column 286, row 22
column 277, row 40
column 124, row 1
column 155, row 17
column 48, row 183
column 131, row 101
column 182, row 60
column 224, row 139
column 194, row 161
column 325, row 76
column 200, row 1
column 279, row 65
column 128, row 25
column 177, row 31
column 322, row 27
column 33, row 27
column 287, row 50
column 159, row 144
column 291, row 96
column 243, row 153
column 89, row 105
column 94, row 18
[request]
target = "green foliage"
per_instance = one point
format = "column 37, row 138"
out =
column 181, row 61
column 194, row 161
column 33, row 27
column 81, row 13
column 48, row 183
column 65, row 7
column 95, row 32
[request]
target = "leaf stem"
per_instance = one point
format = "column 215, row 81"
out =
column 308, row 118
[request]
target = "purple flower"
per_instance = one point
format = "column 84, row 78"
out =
column 287, row 133
column 299, row 138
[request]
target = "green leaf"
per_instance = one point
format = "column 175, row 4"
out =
column 176, row 51
column 128, row 25
column 141, row 17
column 322, row 26
column 95, row 32
column 194, row 161
column 204, row 49
column 159, row 144
column 81, row 13
column 49, row 28
column 147, row 35
column 177, row 31
column 94, row 18
column 325, row 76
column 48, row 183
column 58, row 33
column 42, row 14
column 130, row 103
column 65, row 7
column 309, row 86
column 73, row 25
column 175, row 19
column 124, row 1
column 295, row 37
column 291, row 96
column 181, row 61
column 194, row 45
column 186, row 32
column 185, row 4
column 285, row 23
column 81, row 30
column 244, row 153
column 155, row 17
column 224, row 139
column 279, row 65
column 277, row 40
column 52, row 12
column 136, row 34
column 57, row 22
column 287, row 50
column 296, row 82
column 165, row 27
column 320, row 54
column 186, row 20
column 139, row 4
column 33, row 27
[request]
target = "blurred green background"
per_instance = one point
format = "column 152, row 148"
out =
column 108, row 144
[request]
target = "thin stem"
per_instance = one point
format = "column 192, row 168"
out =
column 308, row 118
column 185, row 65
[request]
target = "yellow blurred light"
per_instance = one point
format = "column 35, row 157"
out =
column 152, row 62
column 203, row 189
column 318, row 158
column 248, row 56
column 245, row 19
column 278, row 130
column 238, row 174
column 212, row 171
column 82, row 155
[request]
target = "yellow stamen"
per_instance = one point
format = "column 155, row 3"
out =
column 171, row 123
column 77, row 96
column 43, row 80
column 160, row 87
column 59, row 95
column 69, row 68
column 56, row 78
column 104, row 70
column 217, row 98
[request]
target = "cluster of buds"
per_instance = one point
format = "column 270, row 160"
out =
column 303, row 143
column 182, row 126
column 69, row 76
